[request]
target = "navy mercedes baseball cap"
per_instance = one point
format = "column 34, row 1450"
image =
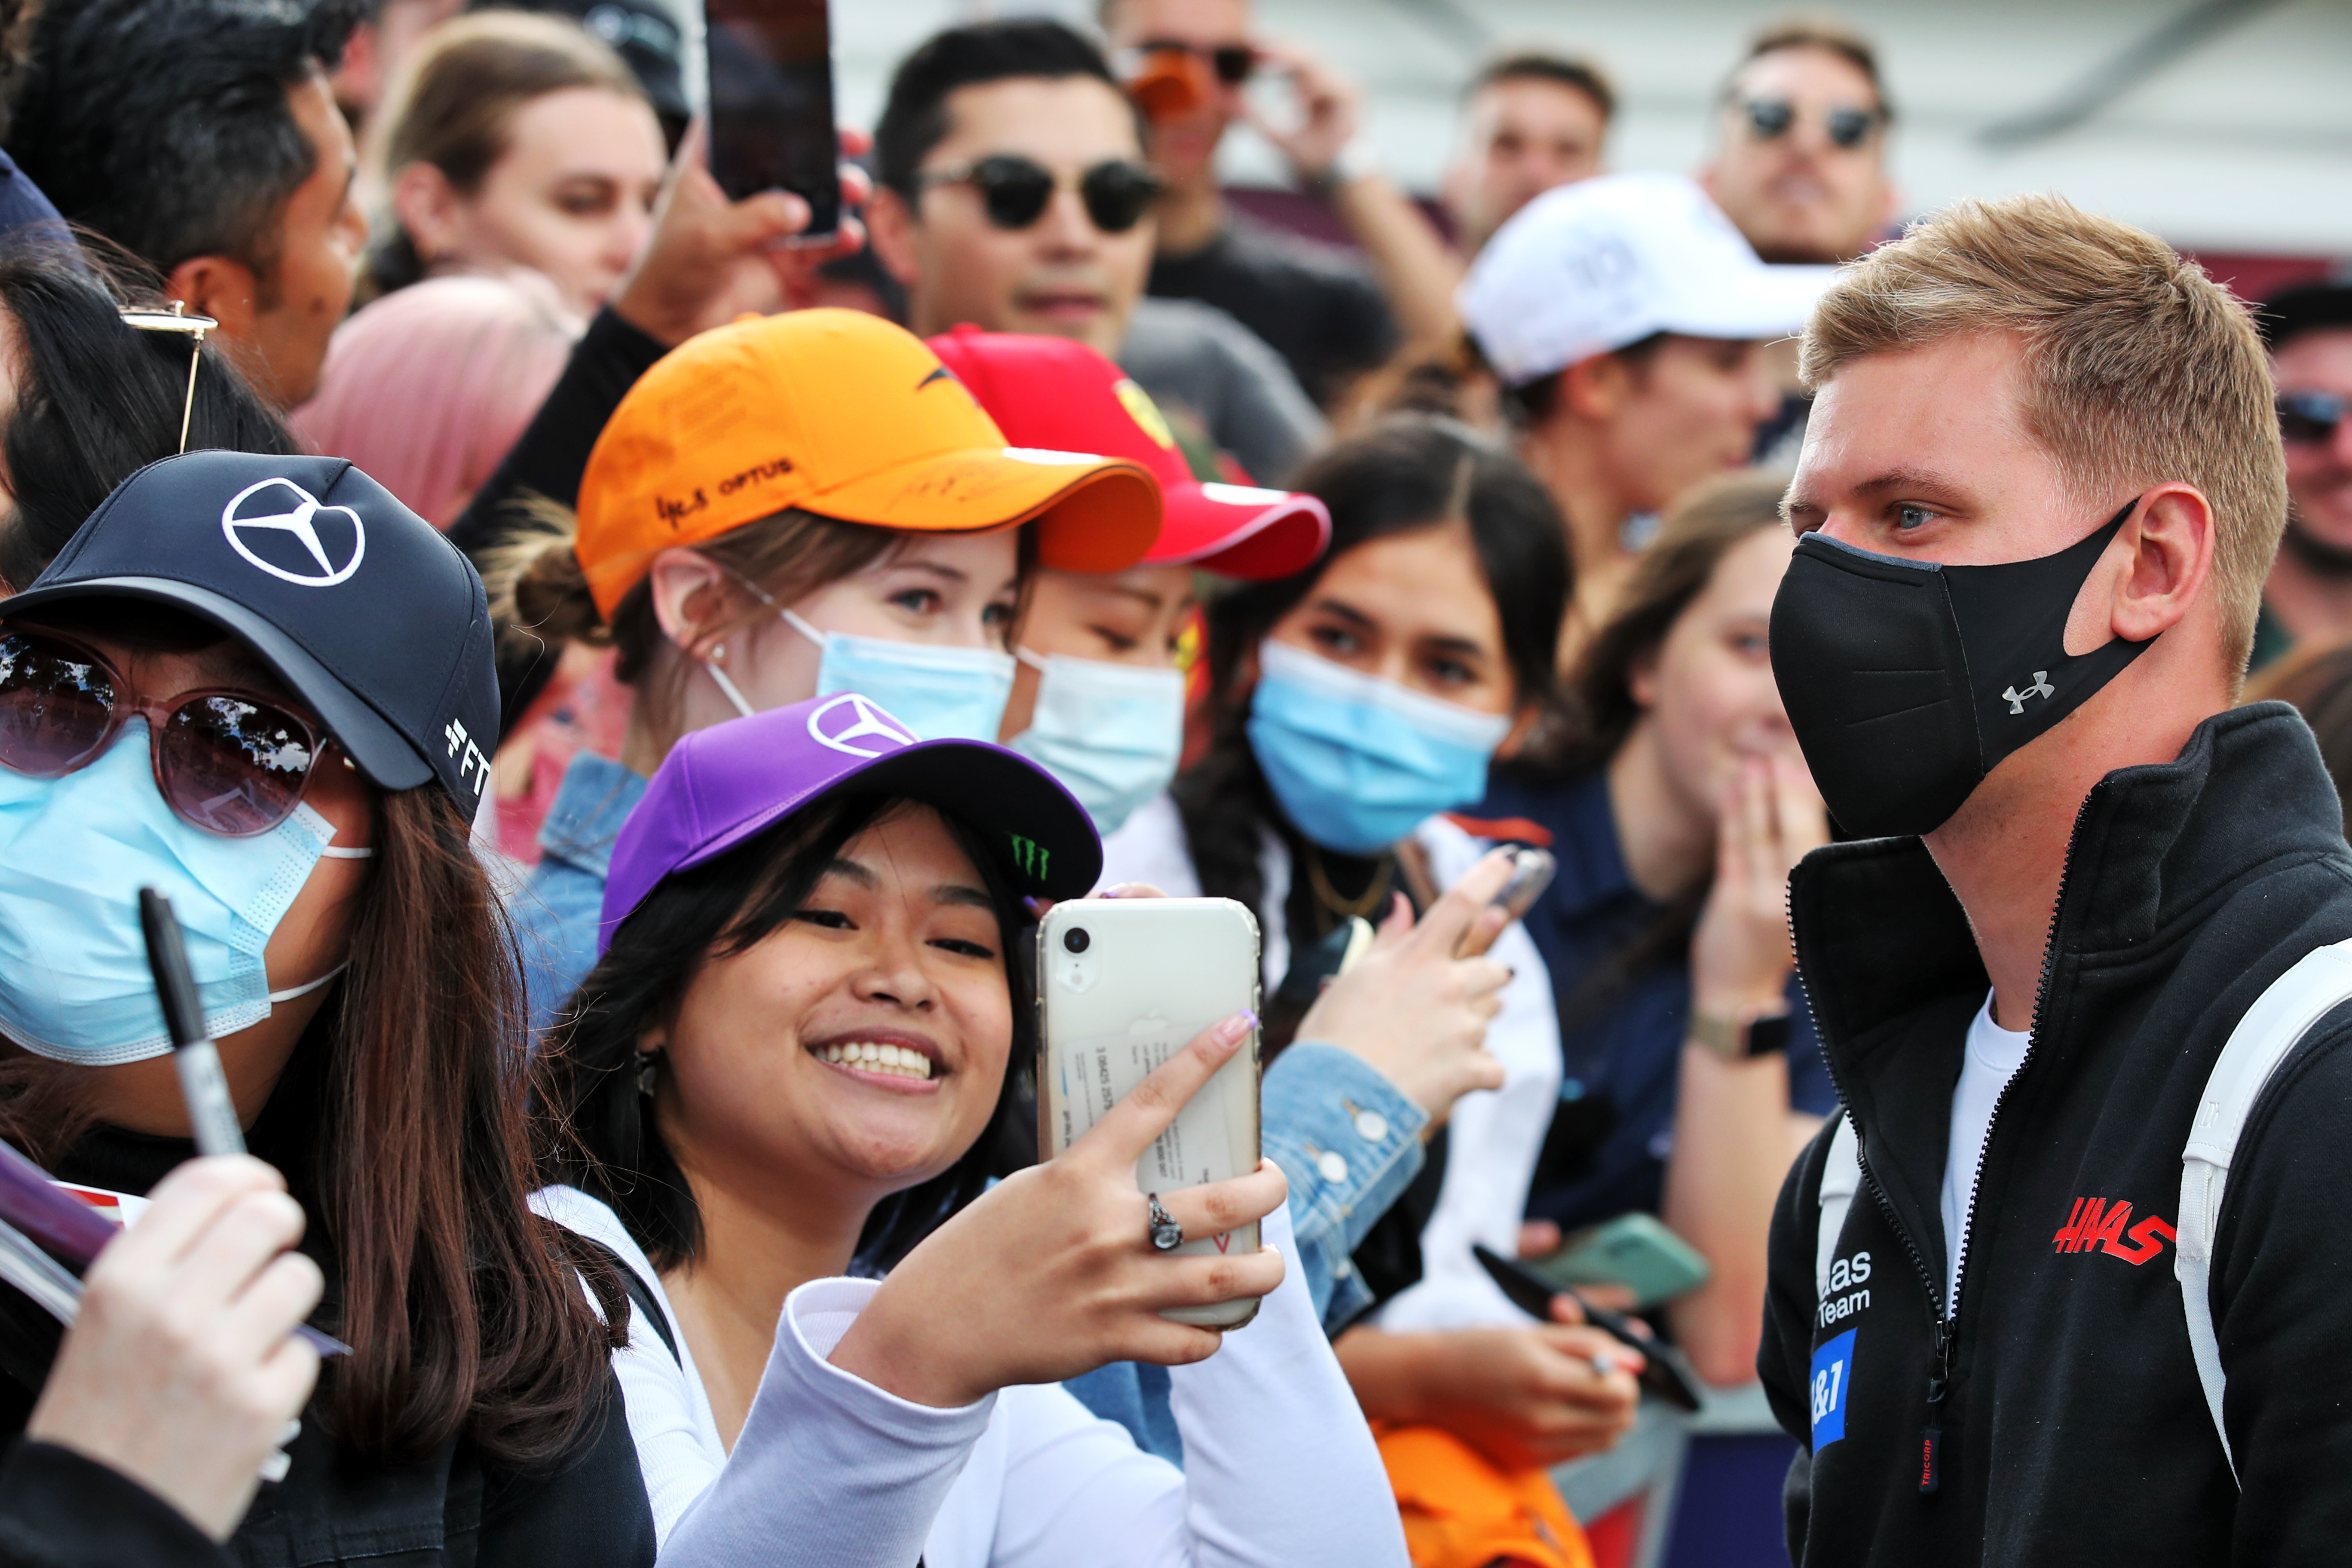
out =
column 360, row 605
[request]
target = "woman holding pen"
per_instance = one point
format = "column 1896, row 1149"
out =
column 263, row 686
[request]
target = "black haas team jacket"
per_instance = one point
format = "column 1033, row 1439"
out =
column 2050, row 1413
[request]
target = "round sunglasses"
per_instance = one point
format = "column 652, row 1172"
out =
column 227, row 762
column 1770, row 119
column 1015, row 190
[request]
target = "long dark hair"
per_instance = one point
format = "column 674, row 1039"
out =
column 1403, row 475
column 98, row 400
column 463, row 1308
column 600, row 1134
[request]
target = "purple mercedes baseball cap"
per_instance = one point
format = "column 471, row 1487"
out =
column 719, row 787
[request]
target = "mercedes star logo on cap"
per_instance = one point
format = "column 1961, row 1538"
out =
column 308, row 544
column 863, row 721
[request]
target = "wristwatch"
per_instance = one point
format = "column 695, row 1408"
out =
column 1742, row 1037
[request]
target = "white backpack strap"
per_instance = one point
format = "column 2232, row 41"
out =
column 2279, row 1018
column 1840, row 1179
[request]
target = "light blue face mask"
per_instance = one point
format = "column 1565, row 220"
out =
column 939, row 693
column 75, row 851
column 1110, row 733
column 1357, row 762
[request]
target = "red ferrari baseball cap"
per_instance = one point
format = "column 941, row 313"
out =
column 1064, row 396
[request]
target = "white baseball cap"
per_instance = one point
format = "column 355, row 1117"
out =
column 1596, row 264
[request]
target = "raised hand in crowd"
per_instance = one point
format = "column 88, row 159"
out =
column 182, row 1369
column 1740, row 957
column 1042, row 1279
column 710, row 259
column 1417, row 1006
column 1734, row 1130
column 1324, row 145
column 1525, row 1397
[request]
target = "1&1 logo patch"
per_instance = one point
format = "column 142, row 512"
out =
column 1833, row 1382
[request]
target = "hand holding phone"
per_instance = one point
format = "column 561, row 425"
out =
column 1416, row 1010
column 772, row 124
column 711, row 260
column 1049, row 1274
column 1122, row 984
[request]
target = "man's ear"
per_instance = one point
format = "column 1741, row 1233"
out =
column 219, row 287
column 890, row 230
column 426, row 206
column 1594, row 387
column 2169, row 566
column 226, row 289
column 693, row 599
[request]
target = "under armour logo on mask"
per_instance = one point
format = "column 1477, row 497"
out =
column 2040, row 688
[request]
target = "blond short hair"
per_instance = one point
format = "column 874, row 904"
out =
column 2139, row 369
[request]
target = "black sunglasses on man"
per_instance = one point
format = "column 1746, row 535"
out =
column 1015, row 190
column 1770, row 119
column 2309, row 418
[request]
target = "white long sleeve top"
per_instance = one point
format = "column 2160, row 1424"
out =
column 833, row 1472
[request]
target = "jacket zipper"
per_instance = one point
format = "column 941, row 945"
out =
column 1944, row 1328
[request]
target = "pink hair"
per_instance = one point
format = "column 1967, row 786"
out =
column 427, row 387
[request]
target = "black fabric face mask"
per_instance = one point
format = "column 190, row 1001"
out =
column 1907, row 681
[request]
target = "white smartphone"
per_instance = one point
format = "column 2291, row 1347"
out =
column 1123, row 984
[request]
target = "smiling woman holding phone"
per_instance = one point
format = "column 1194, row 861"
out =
column 797, row 1038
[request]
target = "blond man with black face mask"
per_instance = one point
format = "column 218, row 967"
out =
column 2059, row 1288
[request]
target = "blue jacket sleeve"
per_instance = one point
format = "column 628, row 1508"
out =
column 1349, row 1142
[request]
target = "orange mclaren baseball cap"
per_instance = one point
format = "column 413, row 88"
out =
column 846, row 415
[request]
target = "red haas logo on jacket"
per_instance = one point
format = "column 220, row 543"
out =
column 2098, row 1225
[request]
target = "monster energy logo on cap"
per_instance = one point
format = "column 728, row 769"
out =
column 1029, row 855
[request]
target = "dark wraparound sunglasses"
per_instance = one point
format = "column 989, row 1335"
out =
column 227, row 762
column 1234, row 63
column 2308, row 418
column 1014, row 189
column 1770, row 119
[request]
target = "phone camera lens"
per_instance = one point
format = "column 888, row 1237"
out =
column 1076, row 939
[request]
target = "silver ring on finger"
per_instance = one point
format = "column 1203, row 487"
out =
column 1167, row 1236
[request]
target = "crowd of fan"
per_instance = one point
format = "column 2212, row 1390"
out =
column 1369, row 559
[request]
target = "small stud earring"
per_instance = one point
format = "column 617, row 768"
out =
column 719, row 652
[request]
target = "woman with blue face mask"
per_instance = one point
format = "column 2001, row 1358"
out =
column 261, row 686
column 1354, row 704
column 791, row 507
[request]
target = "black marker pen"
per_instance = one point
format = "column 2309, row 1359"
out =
column 210, row 1111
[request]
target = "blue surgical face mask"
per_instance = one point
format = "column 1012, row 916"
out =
column 1110, row 733
column 1356, row 761
column 75, row 851
column 939, row 693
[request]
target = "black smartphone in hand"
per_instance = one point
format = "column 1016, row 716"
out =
column 772, row 119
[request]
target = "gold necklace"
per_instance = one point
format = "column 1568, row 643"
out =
column 1319, row 884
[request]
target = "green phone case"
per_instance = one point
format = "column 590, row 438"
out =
column 1635, row 1251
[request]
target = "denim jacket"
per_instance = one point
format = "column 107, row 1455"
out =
column 557, row 912
column 1349, row 1143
